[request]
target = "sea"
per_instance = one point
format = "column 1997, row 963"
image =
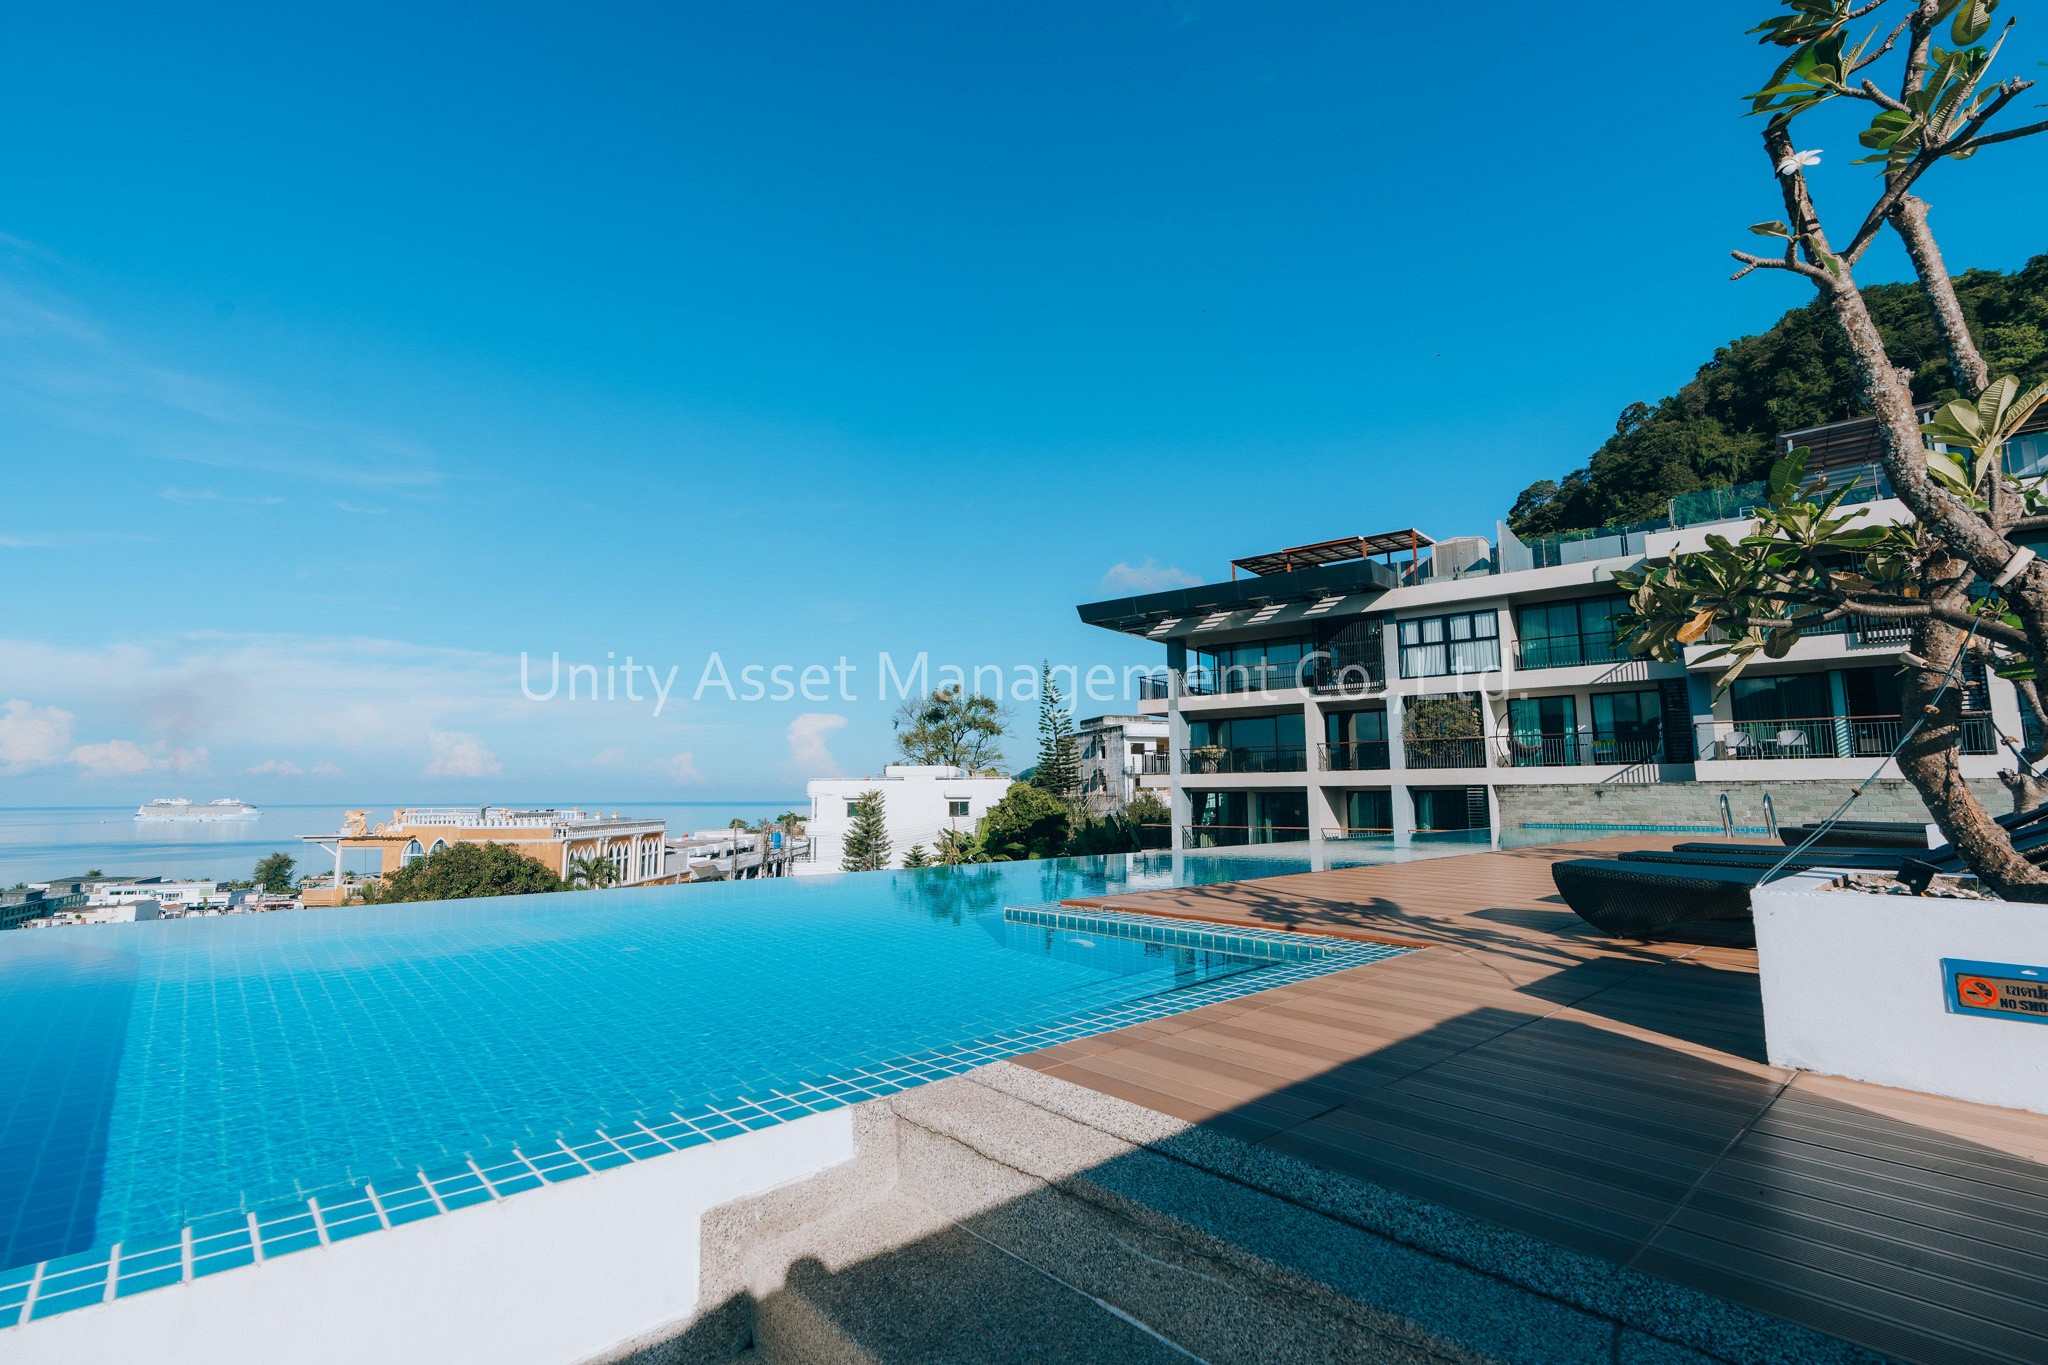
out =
column 44, row 842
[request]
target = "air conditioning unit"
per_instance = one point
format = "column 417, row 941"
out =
column 1458, row 555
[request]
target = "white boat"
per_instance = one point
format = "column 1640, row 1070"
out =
column 178, row 808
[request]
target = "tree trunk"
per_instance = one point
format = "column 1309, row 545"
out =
column 1932, row 762
column 1972, row 375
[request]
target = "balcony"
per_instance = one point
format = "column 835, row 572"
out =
column 1365, row 755
column 1852, row 737
column 1576, row 750
column 1214, row 758
column 1569, row 651
column 1238, row 836
column 1154, row 687
column 1152, row 765
column 1445, row 753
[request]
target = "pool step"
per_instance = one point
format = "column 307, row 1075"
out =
column 898, row 1283
column 1006, row 1215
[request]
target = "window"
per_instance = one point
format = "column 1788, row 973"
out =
column 1566, row 634
column 1259, row 666
column 1436, row 646
column 957, row 810
column 1627, row 726
column 413, row 853
column 852, row 809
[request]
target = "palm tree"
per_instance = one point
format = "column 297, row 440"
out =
column 593, row 871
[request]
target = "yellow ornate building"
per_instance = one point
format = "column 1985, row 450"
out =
column 636, row 849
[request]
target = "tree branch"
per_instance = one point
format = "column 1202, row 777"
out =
column 1993, row 139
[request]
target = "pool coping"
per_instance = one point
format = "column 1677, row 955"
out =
column 212, row 1244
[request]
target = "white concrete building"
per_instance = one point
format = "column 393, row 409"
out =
column 170, row 895
column 918, row 804
column 1117, row 757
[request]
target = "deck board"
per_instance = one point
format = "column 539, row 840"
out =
column 1610, row 1097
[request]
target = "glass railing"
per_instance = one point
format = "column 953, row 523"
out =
column 1153, row 764
column 1529, row 749
column 1358, row 756
column 1825, row 737
column 1154, row 687
column 1569, row 651
column 1277, row 758
column 1235, row 836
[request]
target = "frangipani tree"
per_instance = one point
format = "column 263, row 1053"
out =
column 1916, row 75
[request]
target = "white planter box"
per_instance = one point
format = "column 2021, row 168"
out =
column 1853, row 985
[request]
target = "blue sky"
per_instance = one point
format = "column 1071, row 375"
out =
column 346, row 356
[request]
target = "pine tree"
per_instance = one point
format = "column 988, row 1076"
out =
column 867, row 841
column 1059, row 765
column 917, row 857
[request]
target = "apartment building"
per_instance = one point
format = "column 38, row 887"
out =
column 919, row 803
column 636, row 848
column 1116, row 757
column 1391, row 685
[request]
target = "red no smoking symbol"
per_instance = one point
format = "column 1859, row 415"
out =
column 1976, row 992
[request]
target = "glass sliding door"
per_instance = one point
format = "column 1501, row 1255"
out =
column 1543, row 732
column 1627, row 727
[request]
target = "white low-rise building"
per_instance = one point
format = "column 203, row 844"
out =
column 170, row 895
column 918, row 804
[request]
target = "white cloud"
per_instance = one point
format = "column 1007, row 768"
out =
column 194, row 496
column 611, row 756
column 808, row 756
column 455, row 754
column 1151, row 576
column 126, row 758
column 68, row 370
column 32, row 736
column 276, row 766
column 324, row 770
column 682, row 769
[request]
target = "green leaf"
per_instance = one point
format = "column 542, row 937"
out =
column 1973, row 21
column 1772, row 229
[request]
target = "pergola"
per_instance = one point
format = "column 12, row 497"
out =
column 1389, row 543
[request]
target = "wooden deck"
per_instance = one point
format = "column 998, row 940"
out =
column 1610, row 1097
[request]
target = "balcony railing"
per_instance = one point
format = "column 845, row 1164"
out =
column 1445, row 753
column 1154, row 687
column 1214, row 758
column 1345, row 671
column 1237, row 836
column 1153, row 764
column 1583, row 749
column 1569, row 651
column 1825, row 737
column 1358, row 756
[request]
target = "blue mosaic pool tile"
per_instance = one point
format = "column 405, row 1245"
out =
column 600, row 1153
column 72, row 1282
column 404, row 1202
column 347, row 1214
column 286, row 1229
column 221, row 1244
column 511, row 1177
column 14, row 1287
column 458, row 1187
column 149, row 1266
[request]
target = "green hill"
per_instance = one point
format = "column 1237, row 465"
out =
column 1717, row 430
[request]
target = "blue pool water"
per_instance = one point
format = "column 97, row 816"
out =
column 161, row 1074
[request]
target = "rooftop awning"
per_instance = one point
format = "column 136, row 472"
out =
column 1342, row 551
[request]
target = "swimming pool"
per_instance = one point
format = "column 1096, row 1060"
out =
column 190, row 1074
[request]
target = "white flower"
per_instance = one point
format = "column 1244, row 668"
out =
column 1795, row 160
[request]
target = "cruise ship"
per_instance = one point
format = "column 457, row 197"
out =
column 178, row 808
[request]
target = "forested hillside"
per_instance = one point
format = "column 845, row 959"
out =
column 1717, row 430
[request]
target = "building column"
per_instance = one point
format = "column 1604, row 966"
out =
column 1400, row 805
column 1176, row 744
column 1321, row 815
column 2006, row 718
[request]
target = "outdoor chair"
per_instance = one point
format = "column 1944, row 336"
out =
column 1640, row 893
